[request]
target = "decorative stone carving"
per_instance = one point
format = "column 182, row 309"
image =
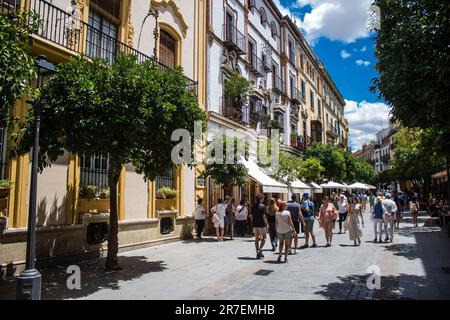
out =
column 130, row 29
column 176, row 10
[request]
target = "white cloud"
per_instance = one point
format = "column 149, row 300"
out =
column 360, row 62
column 344, row 20
column 365, row 120
column 345, row 54
column 364, row 49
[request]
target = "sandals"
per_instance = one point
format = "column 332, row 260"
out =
column 279, row 259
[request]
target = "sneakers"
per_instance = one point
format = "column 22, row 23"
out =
column 375, row 240
column 386, row 240
column 259, row 255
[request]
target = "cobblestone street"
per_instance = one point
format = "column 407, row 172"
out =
column 415, row 266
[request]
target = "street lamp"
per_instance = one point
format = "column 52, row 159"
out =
column 154, row 13
column 29, row 281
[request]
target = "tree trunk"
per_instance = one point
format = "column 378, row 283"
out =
column 448, row 177
column 113, row 241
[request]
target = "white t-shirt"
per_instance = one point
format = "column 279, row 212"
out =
column 343, row 205
column 283, row 222
column 389, row 206
column 199, row 212
column 241, row 213
column 219, row 209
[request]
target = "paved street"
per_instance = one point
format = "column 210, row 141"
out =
column 415, row 266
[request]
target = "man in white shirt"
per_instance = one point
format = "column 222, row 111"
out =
column 199, row 215
column 343, row 209
column 389, row 210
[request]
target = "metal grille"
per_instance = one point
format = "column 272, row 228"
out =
column 263, row 272
column 94, row 171
column 165, row 180
column 101, row 38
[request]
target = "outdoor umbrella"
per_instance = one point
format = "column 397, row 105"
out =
column 316, row 188
column 370, row 187
column 332, row 185
column 359, row 186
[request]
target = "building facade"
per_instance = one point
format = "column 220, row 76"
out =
column 290, row 88
column 367, row 153
column 69, row 222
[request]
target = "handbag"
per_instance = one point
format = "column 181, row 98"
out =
column 215, row 218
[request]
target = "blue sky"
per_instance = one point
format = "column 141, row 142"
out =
column 338, row 32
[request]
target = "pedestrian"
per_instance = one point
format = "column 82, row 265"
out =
column 354, row 221
column 343, row 210
column 372, row 200
column 219, row 218
column 294, row 208
column 377, row 218
column 335, row 200
column 285, row 230
column 327, row 219
column 277, row 200
column 199, row 215
column 414, row 209
column 241, row 218
column 260, row 226
column 309, row 216
column 389, row 210
column 229, row 217
column 272, row 209
column 398, row 213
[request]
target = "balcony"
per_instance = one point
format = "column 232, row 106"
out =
column 294, row 113
column 233, row 110
column 267, row 62
column 256, row 65
column 332, row 131
column 233, row 39
column 296, row 96
column 85, row 39
column 278, row 85
column 385, row 159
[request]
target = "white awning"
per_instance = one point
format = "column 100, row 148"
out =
column 358, row 186
column 332, row 185
column 316, row 188
column 370, row 187
column 269, row 184
column 299, row 186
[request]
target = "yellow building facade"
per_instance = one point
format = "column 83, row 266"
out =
column 71, row 222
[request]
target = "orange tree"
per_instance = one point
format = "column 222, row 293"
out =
column 127, row 110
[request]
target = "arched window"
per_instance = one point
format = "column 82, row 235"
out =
column 263, row 15
column 167, row 50
column 273, row 29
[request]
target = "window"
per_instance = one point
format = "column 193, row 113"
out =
column 301, row 61
column 167, row 50
column 263, row 17
column 303, row 89
column 292, row 85
column 319, row 106
column 165, row 180
column 101, row 41
column 273, row 28
column 312, row 99
column 251, row 4
column 291, row 51
column 94, row 171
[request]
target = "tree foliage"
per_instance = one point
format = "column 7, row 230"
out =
column 231, row 172
column 125, row 110
column 358, row 170
column 413, row 54
column 17, row 65
column 237, row 87
column 311, row 170
column 330, row 157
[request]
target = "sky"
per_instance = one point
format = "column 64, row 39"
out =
column 339, row 34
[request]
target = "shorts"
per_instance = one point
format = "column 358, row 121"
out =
column 309, row 225
column 220, row 224
column 260, row 231
column 284, row 236
column 296, row 226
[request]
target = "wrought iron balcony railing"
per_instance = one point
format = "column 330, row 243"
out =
column 234, row 110
column 81, row 39
column 296, row 96
column 256, row 65
column 234, row 39
column 278, row 85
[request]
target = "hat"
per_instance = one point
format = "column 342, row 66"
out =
column 379, row 199
column 388, row 195
column 305, row 195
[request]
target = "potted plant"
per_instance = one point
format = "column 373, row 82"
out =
column 104, row 194
column 88, row 191
column 166, row 199
column 168, row 193
column 5, row 187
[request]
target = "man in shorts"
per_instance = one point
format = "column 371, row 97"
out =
column 309, row 217
column 260, row 225
column 294, row 208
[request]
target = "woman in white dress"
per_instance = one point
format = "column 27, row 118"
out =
column 354, row 221
column 219, row 218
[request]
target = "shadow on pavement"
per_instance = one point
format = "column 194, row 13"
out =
column 93, row 278
column 248, row 258
column 354, row 287
column 407, row 250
